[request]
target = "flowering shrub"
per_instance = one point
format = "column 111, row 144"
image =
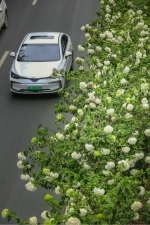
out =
column 99, row 163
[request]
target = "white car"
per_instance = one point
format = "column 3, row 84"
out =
column 41, row 63
column 3, row 14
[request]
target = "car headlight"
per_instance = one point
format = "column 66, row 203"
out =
column 13, row 75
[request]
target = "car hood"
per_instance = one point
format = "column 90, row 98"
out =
column 35, row 69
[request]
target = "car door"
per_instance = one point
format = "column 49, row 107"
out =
column 67, row 60
column 1, row 14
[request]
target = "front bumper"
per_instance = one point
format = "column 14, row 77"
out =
column 42, row 86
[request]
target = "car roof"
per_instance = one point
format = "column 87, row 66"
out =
column 42, row 38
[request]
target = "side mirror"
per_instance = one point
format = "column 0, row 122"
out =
column 1, row 9
column 12, row 54
column 68, row 54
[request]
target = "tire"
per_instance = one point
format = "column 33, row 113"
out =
column 6, row 21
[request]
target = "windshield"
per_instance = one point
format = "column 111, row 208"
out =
column 39, row 53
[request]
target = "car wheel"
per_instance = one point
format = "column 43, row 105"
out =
column 6, row 21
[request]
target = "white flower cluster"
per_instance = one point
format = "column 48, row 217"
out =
column 76, row 155
column 80, row 112
column 105, row 151
column 98, row 191
column 123, row 165
column 110, row 112
column 33, row 221
column 80, row 48
column 30, row 186
column 79, row 60
column 45, row 215
column 142, row 191
column 20, row 164
column 83, row 212
column 72, row 107
column 145, row 104
column 25, row 177
column 73, row 221
column 108, row 129
column 60, row 136
column 89, row 148
column 52, row 176
column 21, row 156
column 136, row 206
column 147, row 132
column 110, row 165
column 132, row 141
column 83, row 85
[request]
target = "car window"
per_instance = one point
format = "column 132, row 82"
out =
column 64, row 42
column 39, row 53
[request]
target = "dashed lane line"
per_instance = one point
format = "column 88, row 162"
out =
column 34, row 2
column 3, row 58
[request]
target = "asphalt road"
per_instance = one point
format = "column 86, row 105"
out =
column 20, row 115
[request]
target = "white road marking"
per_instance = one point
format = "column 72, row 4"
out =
column 3, row 58
column 34, row 2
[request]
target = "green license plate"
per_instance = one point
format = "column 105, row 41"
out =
column 34, row 88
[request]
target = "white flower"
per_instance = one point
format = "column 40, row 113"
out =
column 76, row 155
column 111, row 2
column 126, row 149
column 60, row 136
column 107, row 63
column 128, row 115
column 73, row 221
column 121, row 92
column 90, row 51
column 102, row 36
column 126, row 70
column 92, row 105
column 138, row 55
column 110, row 165
column 98, row 48
column 139, row 155
column 21, row 156
column 132, row 141
column 124, row 105
column 136, row 206
column 89, row 147
column 144, row 86
column 106, row 172
column 87, row 35
column 135, row 132
column 110, row 182
column 97, row 100
column 108, row 129
column 71, row 210
column 86, row 166
column 54, row 175
column 110, row 112
column 80, row 112
column 105, row 151
column 136, row 216
column 33, row 221
column 145, row 106
column 79, row 60
column 30, row 186
column 88, row 26
column 147, row 132
column 80, row 48
column 139, row 12
column 81, row 68
column 57, row 190
column 66, row 127
column 147, row 159
column 99, row 191
column 25, row 177
column 124, row 165
column 130, row 107
column 44, row 215
column 20, row 164
column 107, row 49
column 83, row 212
column 133, row 172
column 144, row 101
column 123, row 81
column 148, row 201
column 142, row 191
column 83, row 85
column 82, row 28
column 72, row 107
